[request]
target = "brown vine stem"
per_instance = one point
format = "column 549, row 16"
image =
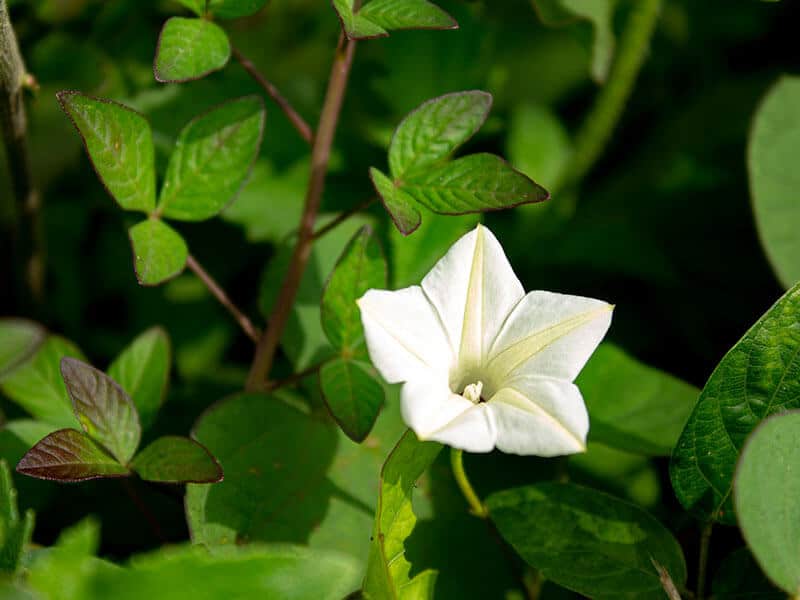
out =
column 303, row 128
column 343, row 217
column 246, row 324
column 320, row 154
column 28, row 237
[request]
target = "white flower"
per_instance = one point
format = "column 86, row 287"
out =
column 483, row 364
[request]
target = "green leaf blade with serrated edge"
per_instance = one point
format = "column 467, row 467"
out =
column 120, row 146
column 767, row 487
column 15, row 533
column 387, row 568
column 175, row 459
column 758, row 377
column 159, row 252
column 586, row 540
column 233, row 9
column 774, row 178
column 19, row 340
column 433, row 131
column 142, row 370
column 401, row 208
column 69, row 455
column 474, row 183
column 37, row 386
column 211, row 160
column 103, row 409
column 189, row 49
column 353, row 394
column 634, row 407
column 361, row 267
column 407, row 14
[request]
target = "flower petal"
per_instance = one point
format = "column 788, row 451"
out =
column 474, row 430
column 473, row 288
column 427, row 404
column 540, row 416
column 404, row 335
column 548, row 334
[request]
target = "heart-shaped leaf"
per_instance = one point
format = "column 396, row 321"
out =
column 211, row 160
column 120, row 146
column 189, row 49
column 176, row 459
column 766, row 489
column 104, row 410
column 587, row 541
column 159, row 252
column 69, row 455
column 19, row 340
column 354, row 395
column 142, row 370
column 16, row 531
column 758, row 377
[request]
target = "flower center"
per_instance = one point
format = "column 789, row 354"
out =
column 473, row 392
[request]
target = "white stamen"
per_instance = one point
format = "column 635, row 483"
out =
column 473, row 392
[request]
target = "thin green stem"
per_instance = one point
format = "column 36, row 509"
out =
column 342, row 218
column 476, row 506
column 702, row 563
column 599, row 124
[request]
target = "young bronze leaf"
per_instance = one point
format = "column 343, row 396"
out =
column 104, row 410
column 175, row 459
column 69, row 455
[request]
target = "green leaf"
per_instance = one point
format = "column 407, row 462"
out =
column 198, row 7
column 120, row 146
column 388, row 569
column 177, row 459
column 538, row 143
column 159, row 252
column 400, row 207
column 19, row 340
column 432, row 132
column 767, row 486
column 361, row 267
column 353, row 394
column 15, row 533
column 211, row 160
column 474, row 183
column 758, row 377
column 586, row 540
column 232, row 9
column 285, row 476
column 634, row 407
column 356, row 27
column 69, row 455
column 36, row 385
column 739, row 576
column 142, row 370
column 189, row 49
column 407, row 14
column 774, row 178
column 104, row 410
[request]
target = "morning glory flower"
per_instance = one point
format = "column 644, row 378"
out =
column 483, row 364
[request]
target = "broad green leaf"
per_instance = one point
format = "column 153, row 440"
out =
column 361, row 267
column 190, row 49
column 159, row 252
column 198, row 7
column 286, row 473
column 758, row 377
column 120, row 146
column 356, row 27
column 388, row 569
column 15, row 532
column 586, row 540
column 232, row 9
column 176, row 459
column 774, row 177
column 401, row 208
column 432, row 132
column 406, row 14
column 632, row 406
column 767, row 486
column 36, row 385
column 142, row 370
column 19, row 340
column 104, row 410
column 538, row 143
column 354, row 395
column 474, row 183
column 739, row 577
column 211, row 160
column 69, row 455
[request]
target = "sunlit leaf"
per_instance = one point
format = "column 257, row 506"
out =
column 176, row 459
column 159, row 252
column 190, row 49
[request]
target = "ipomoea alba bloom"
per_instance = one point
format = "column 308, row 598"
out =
column 485, row 365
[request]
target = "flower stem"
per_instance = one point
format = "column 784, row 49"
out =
column 705, row 542
column 247, row 326
column 476, row 506
column 303, row 128
column 342, row 218
column 320, row 154
column 596, row 130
